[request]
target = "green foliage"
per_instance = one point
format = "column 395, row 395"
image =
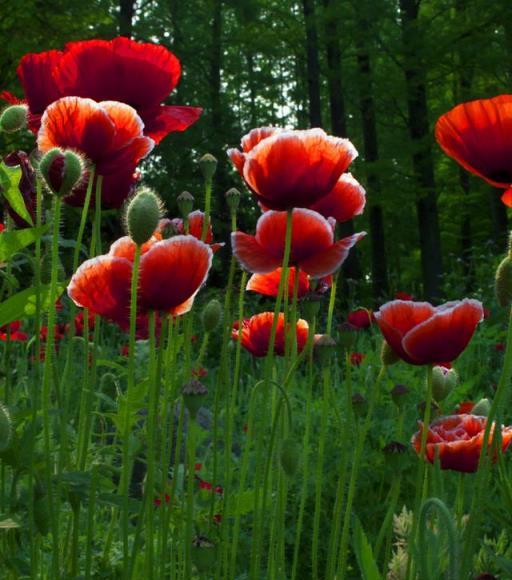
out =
column 364, row 554
column 23, row 304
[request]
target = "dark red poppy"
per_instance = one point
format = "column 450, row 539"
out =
column 80, row 323
column 499, row 347
column 199, row 372
column 2, row 227
column 403, row 296
column 171, row 273
column 195, row 228
column 458, row 440
column 313, row 248
column 256, row 331
column 198, row 466
column 285, row 168
column 59, row 332
column 420, row 333
column 356, row 358
column 478, row 135
column 140, row 74
column 464, row 408
column 360, row 318
column 158, row 500
column 13, row 331
column 27, row 187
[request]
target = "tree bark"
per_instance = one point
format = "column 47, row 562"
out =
column 422, row 162
column 313, row 67
column 126, row 14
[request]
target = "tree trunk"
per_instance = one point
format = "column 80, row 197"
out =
column 313, row 67
column 419, row 131
column 126, row 14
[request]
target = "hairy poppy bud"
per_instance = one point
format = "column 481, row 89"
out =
column 13, row 118
column 504, row 282
column 482, row 408
column 142, row 215
column 62, row 170
column 204, row 553
column 443, row 382
column 208, row 165
column 388, row 356
column 185, row 202
column 395, row 452
column 211, row 315
column 5, row 428
column 193, row 393
column 290, row 456
column 233, row 199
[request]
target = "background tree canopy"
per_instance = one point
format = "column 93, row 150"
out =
column 379, row 72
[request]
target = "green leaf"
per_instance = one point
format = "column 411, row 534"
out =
column 23, row 304
column 12, row 242
column 10, row 179
column 364, row 554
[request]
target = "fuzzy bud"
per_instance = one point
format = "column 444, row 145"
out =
column 142, row 215
column 233, row 199
column 290, row 456
column 185, row 202
column 208, row 165
column 193, row 394
column 62, row 170
column 13, row 118
column 504, row 282
column 482, row 408
column 443, row 382
column 5, row 428
column 388, row 356
column 211, row 315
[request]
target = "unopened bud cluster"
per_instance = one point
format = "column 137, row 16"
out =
column 62, row 170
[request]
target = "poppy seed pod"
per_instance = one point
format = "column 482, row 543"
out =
column 14, row 118
column 290, row 456
column 5, row 428
column 503, row 285
column 62, row 171
column 193, row 393
column 233, row 199
column 185, row 201
column 443, row 382
column 211, row 315
column 482, row 408
column 142, row 215
column 208, row 165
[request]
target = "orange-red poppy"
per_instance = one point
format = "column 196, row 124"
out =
column 195, row 228
column 313, row 248
column 420, row 333
column 171, row 273
column 458, row 440
column 268, row 284
column 285, row 168
column 140, row 74
column 12, row 332
column 478, row 135
column 255, row 334
column 360, row 318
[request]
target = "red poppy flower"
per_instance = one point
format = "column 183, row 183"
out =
column 268, row 284
column 346, row 200
column 140, row 74
column 420, row 333
column 464, row 408
column 403, row 296
column 256, row 331
column 286, row 169
column 27, row 187
column 13, row 331
column 195, row 228
column 199, row 372
column 2, row 228
column 356, row 358
column 171, row 273
column 458, row 441
column 478, row 135
column 313, row 248
column 158, row 500
column 360, row 318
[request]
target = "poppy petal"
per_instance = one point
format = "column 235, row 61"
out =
column 115, row 189
column 102, row 284
column 443, row 336
column 167, row 119
column 125, row 248
column 251, row 255
column 268, row 284
column 330, row 260
column 345, row 201
column 126, row 121
column 35, row 72
column 10, row 98
column 255, row 136
column 238, row 160
column 506, row 198
column 128, row 156
column 173, row 271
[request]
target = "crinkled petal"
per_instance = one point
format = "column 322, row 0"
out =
column 251, row 255
column 268, row 284
column 345, row 201
column 165, row 119
column 36, row 73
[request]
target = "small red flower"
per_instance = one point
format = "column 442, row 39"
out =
column 141, row 74
column 200, row 372
column 80, row 323
column 360, row 318
column 198, row 466
column 158, row 500
column 356, row 358
column 195, row 228
column 204, row 484
column 125, row 350
column 458, row 441
column 499, row 347
column 464, row 408
column 313, row 248
column 171, row 273
column 286, row 169
column 217, row 518
column 13, row 331
column 477, row 134
column 420, row 333
column 256, row 334
column 2, row 228
column 403, row 296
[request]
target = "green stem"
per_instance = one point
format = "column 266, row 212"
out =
column 332, row 302
column 207, row 207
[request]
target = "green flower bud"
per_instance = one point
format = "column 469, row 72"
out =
column 185, row 202
column 193, row 394
column 13, row 118
column 503, row 285
column 388, row 356
column 290, row 456
column 208, row 165
column 443, row 382
column 233, row 199
column 142, row 215
column 211, row 315
column 482, row 408
column 5, row 428
column 61, row 170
